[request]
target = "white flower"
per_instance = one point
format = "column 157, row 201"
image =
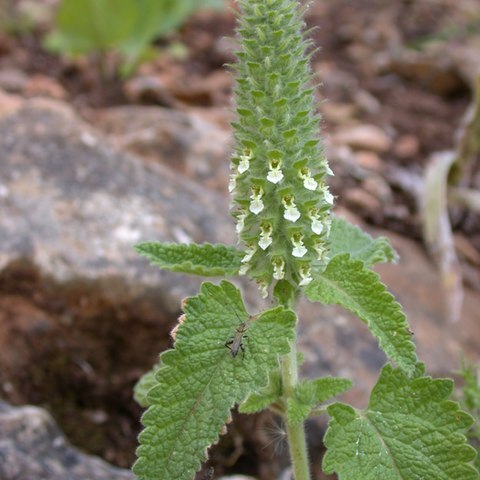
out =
column 249, row 253
column 263, row 286
column 308, row 181
column 244, row 269
column 329, row 171
column 328, row 197
column 291, row 212
column 256, row 205
column 265, row 237
column 244, row 164
column 275, row 175
column 317, row 225
column 321, row 250
column 232, row 182
column 240, row 222
column 305, row 276
column 278, row 268
column 299, row 249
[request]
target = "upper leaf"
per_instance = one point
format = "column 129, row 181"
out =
column 349, row 283
column 347, row 238
column 200, row 380
column 309, row 393
column 410, row 431
column 206, row 259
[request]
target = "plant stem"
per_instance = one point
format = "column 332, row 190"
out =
column 296, row 433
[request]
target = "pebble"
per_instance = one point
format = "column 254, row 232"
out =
column 363, row 137
column 359, row 199
column 369, row 161
column 406, row 146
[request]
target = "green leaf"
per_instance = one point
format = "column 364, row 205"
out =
column 349, row 283
column 347, row 238
column 410, row 431
column 309, row 393
column 144, row 385
column 200, row 380
column 206, row 259
column 265, row 396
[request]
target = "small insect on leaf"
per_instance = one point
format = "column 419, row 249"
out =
column 236, row 343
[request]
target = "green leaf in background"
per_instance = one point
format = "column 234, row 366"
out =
column 349, row 283
column 347, row 238
column 311, row 393
column 205, row 259
column 200, row 380
column 410, row 431
column 126, row 26
column 144, row 385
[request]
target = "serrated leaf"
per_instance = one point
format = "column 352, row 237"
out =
column 410, row 431
column 309, row 393
column 144, row 385
column 349, row 283
column 206, row 259
column 267, row 395
column 200, row 380
column 347, row 238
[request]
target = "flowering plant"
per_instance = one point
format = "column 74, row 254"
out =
column 291, row 245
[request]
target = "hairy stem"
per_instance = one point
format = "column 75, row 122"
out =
column 296, row 433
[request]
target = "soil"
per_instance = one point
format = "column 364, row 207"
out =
column 77, row 353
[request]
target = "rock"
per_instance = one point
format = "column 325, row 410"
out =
column 360, row 200
column 369, row 161
column 185, row 142
column 13, row 80
column 33, row 447
column 149, row 89
column 9, row 104
column 379, row 188
column 74, row 206
column 339, row 113
column 363, row 137
column 406, row 146
column 433, row 70
column 44, row 86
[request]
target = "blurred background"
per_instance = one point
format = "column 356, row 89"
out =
column 115, row 129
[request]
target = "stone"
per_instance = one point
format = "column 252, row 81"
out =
column 75, row 206
column 33, row 447
column 406, row 146
column 369, row 161
column 363, row 137
column 13, row 80
column 44, row 86
column 186, row 142
column 9, row 104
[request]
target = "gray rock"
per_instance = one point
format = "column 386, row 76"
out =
column 75, row 206
column 32, row 447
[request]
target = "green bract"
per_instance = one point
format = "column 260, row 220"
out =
column 280, row 200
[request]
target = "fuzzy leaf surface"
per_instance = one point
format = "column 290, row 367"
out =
column 206, row 259
column 309, row 393
column 410, row 431
column 200, row 381
column 347, row 238
column 349, row 283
